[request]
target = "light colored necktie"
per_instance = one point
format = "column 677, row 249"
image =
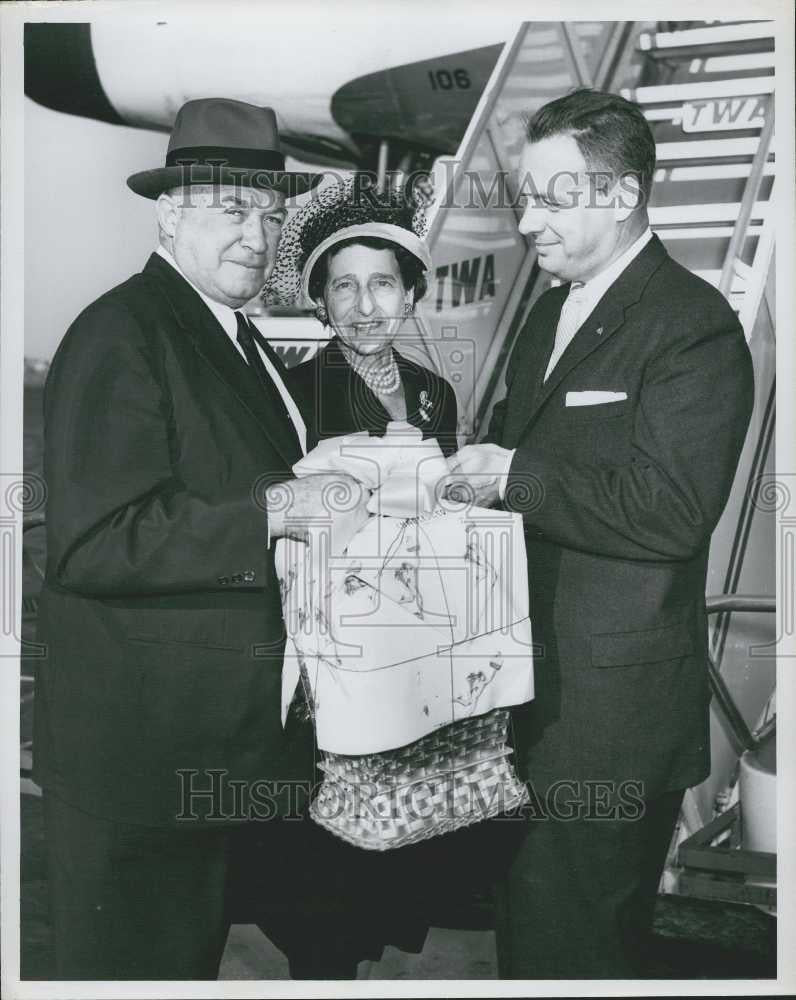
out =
column 568, row 323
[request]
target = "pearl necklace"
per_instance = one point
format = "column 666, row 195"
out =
column 384, row 381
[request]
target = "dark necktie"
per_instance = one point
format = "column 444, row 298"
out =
column 246, row 340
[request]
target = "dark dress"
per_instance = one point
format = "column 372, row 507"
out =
column 390, row 897
column 335, row 400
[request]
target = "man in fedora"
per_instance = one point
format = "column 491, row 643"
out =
column 158, row 731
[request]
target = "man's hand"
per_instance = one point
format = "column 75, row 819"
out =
column 478, row 472
column 295, row 505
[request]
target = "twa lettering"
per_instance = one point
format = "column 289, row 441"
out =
column 724, row 115
column 464, row 286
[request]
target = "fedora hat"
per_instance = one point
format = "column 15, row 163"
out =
column 218, row 141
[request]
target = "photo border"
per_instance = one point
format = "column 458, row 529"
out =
column 12, row 242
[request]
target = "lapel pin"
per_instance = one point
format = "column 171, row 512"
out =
column 599, row 331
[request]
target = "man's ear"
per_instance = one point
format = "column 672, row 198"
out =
column 628, row 196
column 168, row 214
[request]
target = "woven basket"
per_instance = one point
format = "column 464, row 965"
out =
column 454, row 777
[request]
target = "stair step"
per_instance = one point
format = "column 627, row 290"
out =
column 709, row 172
column 715, row 35
column 703, row 254
column 700, row 191
column 705, row 90
column 694, row 70
column 708, row 232
column 709, row 149
column 733, row 64
column 674, row 215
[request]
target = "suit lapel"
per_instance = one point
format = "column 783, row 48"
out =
column 415, row 381
column 283, row 427
column 606, row 318
column 528, row 377
column 214, row 347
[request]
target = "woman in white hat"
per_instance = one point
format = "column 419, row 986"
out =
column 364, row 265
column 361, row 260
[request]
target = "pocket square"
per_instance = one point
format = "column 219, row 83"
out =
column 593, row 397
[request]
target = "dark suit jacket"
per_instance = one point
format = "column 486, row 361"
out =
column 160, row 609
column 619, row 501
column 336, row 401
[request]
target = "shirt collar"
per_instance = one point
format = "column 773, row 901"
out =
column 594, row 289
column 223, row 313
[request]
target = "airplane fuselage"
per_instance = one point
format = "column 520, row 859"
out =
column 337, row 90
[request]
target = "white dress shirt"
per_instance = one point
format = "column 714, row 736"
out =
column 226, row 317
column 587, row 295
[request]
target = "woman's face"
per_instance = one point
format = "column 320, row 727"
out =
column 365, row 298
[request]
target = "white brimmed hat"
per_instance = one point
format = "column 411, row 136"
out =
column 405, row 238
column 342, row 211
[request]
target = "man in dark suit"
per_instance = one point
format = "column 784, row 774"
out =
column 628, row 396
column 158, row 729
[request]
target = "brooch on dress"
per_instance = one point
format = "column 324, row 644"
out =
column 425, row 405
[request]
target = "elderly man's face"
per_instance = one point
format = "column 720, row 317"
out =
column 225, row 239
column 574, row 214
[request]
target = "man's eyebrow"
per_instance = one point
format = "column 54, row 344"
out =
column 231, row 199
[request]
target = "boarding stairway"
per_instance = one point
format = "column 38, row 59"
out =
column 706, row 89
column 713, row 121
column 707, row 92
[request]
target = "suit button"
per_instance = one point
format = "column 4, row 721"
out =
column 249, row 576
column 223, row 580
column 237, row 578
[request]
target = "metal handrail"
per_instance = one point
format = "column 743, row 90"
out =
column 616, row 48
column 472, row 135
column 728, row 604
column 574, row 54
column 749, row 200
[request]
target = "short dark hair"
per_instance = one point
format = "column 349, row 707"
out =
column 611, row 132
column 410, row 267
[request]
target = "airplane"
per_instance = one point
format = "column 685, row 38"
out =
column 339, row 93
